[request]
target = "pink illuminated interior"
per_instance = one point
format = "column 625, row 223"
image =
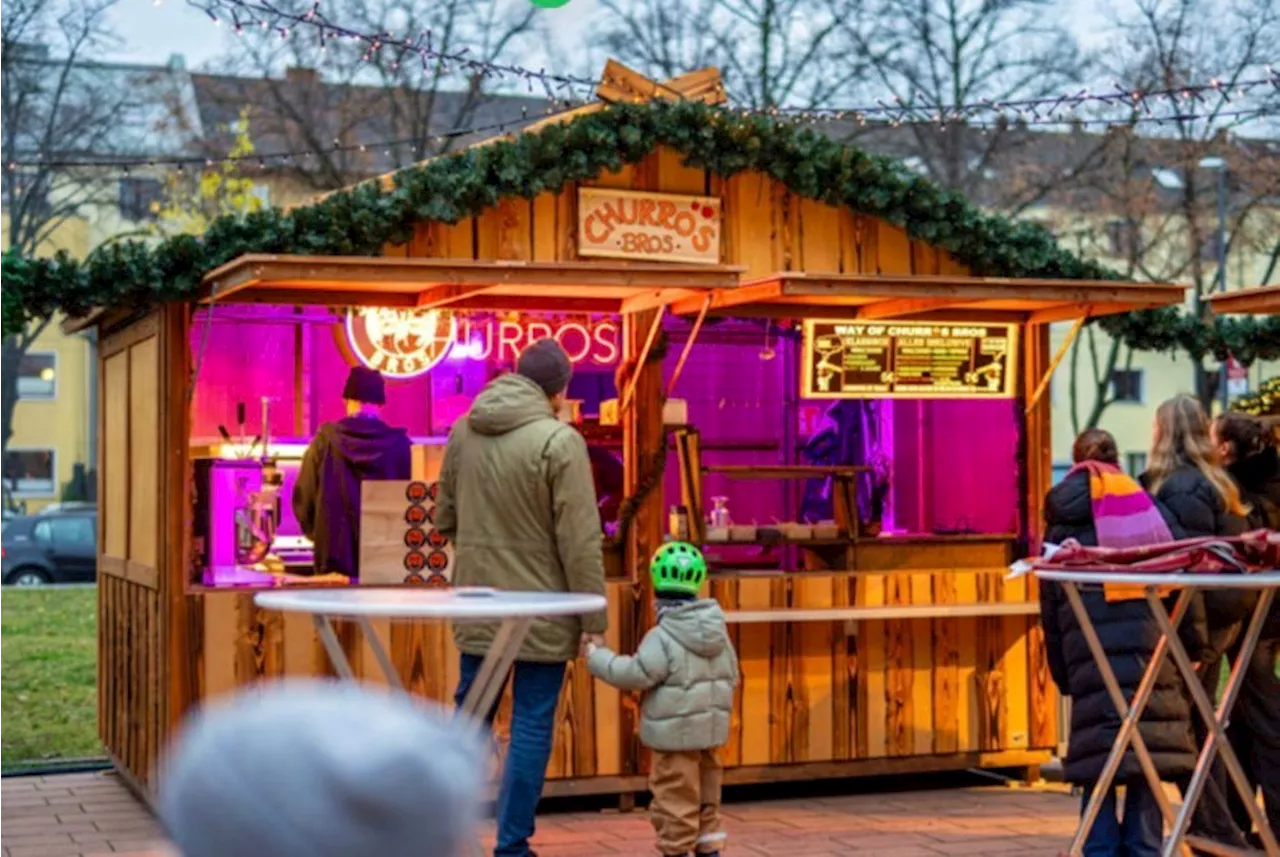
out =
column 951, row 465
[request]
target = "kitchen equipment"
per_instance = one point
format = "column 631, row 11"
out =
column 719, row 516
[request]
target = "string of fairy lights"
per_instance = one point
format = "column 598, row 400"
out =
column 420, row 147
column 1216, row 101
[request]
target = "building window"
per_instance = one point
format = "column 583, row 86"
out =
column 1135, row 463
column 140, row 198
column 1122, row 238
column 38, row 375
column 1126, row 385
column 31, row 472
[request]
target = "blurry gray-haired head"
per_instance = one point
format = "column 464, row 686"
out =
column 322, row 769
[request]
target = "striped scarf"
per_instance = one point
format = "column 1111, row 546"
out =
column 1124, row 516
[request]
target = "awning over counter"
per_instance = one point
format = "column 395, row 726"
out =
column 1259, row 300
column 872, row 296
column 595, row 286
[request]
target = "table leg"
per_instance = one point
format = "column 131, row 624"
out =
column 1130, row 714
column 1215, row 721
column 495, row 667
column 337, row 657
column 490, row 678
column 380, row 653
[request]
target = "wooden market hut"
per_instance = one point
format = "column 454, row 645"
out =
column 909, row 653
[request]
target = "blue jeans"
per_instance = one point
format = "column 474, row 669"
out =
column 535, row 692
column 1138, row 835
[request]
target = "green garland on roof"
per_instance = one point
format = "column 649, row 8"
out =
column 360, row 220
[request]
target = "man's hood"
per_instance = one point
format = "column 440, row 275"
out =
column 506, row 404
column 363, row 440
column 699, row 627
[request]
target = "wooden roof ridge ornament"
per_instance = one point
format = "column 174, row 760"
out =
column 618, row 85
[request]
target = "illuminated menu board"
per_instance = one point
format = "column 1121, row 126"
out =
column 907, row 360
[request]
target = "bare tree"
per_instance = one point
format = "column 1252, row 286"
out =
column 771, row 52
column 358, row 112
column 930, row 56
column 58, row 107
column 1160, row 194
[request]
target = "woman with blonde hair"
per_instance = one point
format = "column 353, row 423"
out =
column 1185, row 473
column 1185, row 466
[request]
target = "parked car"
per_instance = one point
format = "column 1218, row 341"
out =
column 55, row 548
column 70, row 506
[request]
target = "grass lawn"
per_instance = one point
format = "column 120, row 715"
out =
column 49, row 674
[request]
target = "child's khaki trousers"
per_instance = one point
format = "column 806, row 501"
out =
column 685, row 809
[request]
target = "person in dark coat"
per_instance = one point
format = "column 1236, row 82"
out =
column 1128, row 634
column 1248, row 450
column 356, row 448
column 1185, row 473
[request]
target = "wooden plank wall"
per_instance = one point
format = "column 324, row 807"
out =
column 831, row 692
column 132, row 703
column 239, row 645
column 766, row 227
column 812, row 692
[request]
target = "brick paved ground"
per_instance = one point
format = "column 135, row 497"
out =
column 92, row 814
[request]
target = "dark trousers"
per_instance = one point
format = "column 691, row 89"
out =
column 534, row 694
column 1255, row 733
column 1138, row 834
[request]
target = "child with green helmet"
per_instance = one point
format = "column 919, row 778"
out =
column 687, row 669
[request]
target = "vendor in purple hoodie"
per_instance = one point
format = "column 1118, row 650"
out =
column 360, row 446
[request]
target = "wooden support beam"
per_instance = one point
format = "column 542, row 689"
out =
column 1053, row 364
column 654, row 329
column 688, row 346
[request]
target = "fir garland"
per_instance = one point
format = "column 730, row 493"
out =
column 361, row 220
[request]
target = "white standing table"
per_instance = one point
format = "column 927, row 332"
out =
column 1131, row 710
column 515, row 611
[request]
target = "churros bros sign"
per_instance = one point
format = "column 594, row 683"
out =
column 655, row 227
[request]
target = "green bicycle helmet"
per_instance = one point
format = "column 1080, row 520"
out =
column 678, row 567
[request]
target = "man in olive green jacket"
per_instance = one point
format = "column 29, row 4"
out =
column 517, row 499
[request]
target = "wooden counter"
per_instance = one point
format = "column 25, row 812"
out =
column 818, row 698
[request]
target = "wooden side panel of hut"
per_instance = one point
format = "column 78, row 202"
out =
column 141, row 463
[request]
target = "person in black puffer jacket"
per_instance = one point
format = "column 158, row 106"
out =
column 1248, row 449
column 1185, row 474
column 1128, row 633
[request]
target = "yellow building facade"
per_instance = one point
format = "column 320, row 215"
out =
column 53, row 426
column 1143, row 380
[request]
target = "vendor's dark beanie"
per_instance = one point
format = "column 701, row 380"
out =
column 365, row 385
column 546, row 364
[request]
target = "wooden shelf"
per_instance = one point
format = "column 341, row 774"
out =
column 784, row 471
column 845, row 614
column 781, row 541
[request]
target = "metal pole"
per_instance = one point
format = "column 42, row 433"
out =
column 1222, row 269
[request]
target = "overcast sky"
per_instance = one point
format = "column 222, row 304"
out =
column 154, row 30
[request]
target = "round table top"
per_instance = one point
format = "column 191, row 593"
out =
column 412, row 603
column 1224, row 580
